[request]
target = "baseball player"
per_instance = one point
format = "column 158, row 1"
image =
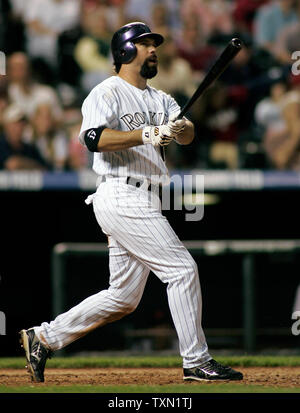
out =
column 126, row 123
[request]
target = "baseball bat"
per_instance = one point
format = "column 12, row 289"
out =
column 228, row 54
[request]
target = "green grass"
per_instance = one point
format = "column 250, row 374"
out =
column 151, row 361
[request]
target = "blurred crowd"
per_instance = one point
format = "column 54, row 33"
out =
column 58, row 50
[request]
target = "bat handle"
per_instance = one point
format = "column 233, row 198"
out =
column 181, row 114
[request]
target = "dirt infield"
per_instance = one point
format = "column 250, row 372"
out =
column 261, row 376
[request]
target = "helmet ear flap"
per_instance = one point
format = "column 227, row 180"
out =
column 127, row 52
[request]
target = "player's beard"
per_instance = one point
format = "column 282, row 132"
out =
column 147, row 71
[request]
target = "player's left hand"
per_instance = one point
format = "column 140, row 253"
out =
column 157, row 135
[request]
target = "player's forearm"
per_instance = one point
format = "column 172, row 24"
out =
column 187, row 136
column 114, row 140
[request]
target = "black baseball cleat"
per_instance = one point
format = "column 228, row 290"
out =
column 36, row 354
column 211, row 370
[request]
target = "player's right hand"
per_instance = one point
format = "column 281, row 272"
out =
column 158, row 135
column 177, row 125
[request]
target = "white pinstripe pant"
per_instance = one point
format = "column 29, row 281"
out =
column 140, row 240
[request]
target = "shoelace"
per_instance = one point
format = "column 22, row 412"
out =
column 37, row 351
column 212, row 366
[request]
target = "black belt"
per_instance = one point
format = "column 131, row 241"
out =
column 139, row 182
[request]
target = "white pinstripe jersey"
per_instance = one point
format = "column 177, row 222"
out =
column 116, row 104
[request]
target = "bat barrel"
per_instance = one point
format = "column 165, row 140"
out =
column 236, row 43
column 232, row 49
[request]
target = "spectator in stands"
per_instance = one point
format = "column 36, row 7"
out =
column 11, row 28
column 270, row 20
column 4, row 10
column 213, row 16
column 249, row 78
column 68, row 70
column 51, row 141
column 139, row 10
column 92, row 51
column 173, row 15
column 282, row 138
column 217, row 125
column 3, row 97
column 44, row 21
column 244, row 12
column 114, row 11
column 160, row 16
column 267, row 113
column 160, row 19
column 288, row 41
column 79, row 156
column 15, row 153
column 175, row 75
column 192, row 46
column 24, row 91
column 267, row 117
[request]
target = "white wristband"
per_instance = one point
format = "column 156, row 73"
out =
column 146, row 134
